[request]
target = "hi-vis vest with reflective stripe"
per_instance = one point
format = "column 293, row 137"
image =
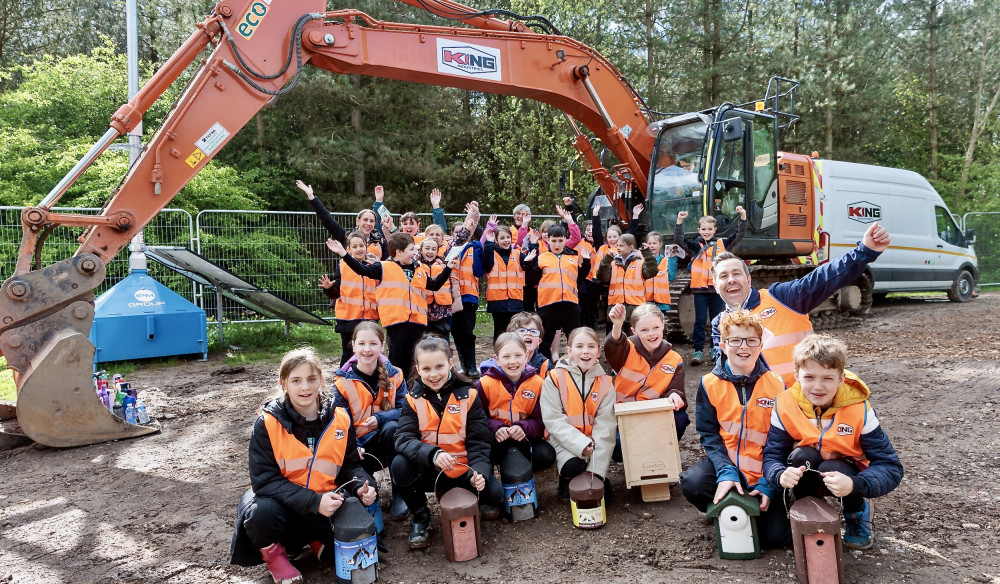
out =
column 363, row 403
column 637, row 381
column 400, row 300
column 744, row 427
column 626, row 285
column 783, row 329
column 468, row 284
column 701, row 264
column 581, row 408
column 585, row 245
column 357, row 296
column 375, row 248
column 658, row 289
column 506, row 280
column 511, row 408
column 443, row 295
column 558, row 282
column 838, row 436
column 313, row 470
column 446, row 430
column 595, row 261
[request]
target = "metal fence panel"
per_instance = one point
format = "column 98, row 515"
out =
column 170, row 227
column 987, row 226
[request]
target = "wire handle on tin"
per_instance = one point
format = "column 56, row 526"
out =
column 442, row 472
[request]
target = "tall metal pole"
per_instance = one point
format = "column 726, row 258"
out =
column 137, row 260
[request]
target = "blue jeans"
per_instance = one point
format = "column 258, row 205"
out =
column 706, row 307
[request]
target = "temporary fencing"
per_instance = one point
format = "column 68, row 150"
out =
column 987, row 228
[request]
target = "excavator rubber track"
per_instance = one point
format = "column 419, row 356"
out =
column 847, row 307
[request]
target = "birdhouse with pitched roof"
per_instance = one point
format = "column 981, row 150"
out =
column 736, row 526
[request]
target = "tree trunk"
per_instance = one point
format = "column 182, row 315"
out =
column 932, row 87
column 650, row 68
column 980, row 117
column 359, row 154
column 828, row 57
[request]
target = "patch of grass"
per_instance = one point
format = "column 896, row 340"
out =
column 257, row 342
column 8, row 391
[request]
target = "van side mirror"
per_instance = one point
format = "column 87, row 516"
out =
column 970, row 236
column 732, row 129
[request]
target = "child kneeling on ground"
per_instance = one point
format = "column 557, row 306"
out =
column 825, row 438
column 442, row 440
column 300, row 439
column 732, row 416
column 578, row 407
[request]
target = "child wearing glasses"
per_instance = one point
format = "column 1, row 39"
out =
column 732, row 416
column 528, row 326
column 825, row 438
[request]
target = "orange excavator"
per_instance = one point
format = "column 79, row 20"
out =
column 260, row 49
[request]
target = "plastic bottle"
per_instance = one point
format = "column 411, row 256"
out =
column 520, row 498
column 128, row 406
column 355, row 545
column 140, row 412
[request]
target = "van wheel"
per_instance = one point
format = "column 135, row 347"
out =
column 961, row 290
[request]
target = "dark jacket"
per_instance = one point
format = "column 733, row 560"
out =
column 533, row 425
column 694, row 246
column 267, row 481
column 809, row 291
column 532, row 271
column 488, row 261
column 347, row 372
column 884, row 471
column 616, row 352
column 706, row 421
column 477, row 433
column 649, row 267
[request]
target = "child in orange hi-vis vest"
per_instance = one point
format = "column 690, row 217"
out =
column 561, row 270
column 441, row 305
column 442, row 440
column 470, row 269
column 509, row 390
column 528, row 326
column 825, row 439
column 302, row 447
column 353, row 294
column 401, row 294
column 578, row 407
column 625, row 273
column 702, row 251
column 504, row 278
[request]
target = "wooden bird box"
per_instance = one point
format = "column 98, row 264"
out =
column 460, row 525
column 816, row 540
column 649, row 446
column 736, row 526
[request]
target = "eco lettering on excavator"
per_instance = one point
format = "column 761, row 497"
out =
column 469, row 60
column 252, row 19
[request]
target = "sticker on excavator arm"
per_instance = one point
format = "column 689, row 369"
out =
column 207, row 144
column 196, row 157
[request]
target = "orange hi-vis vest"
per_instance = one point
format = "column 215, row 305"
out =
column 511, row 408
column 558, row 282
column 467, row 281
column 585, row 245
column 837, row 436
column 443, row 296
column 506, row 280
column 744, row 427
column 375, row 248
column 446, row 431
column 400, row 300
column 316, row 470
column 626, row 285
column 419, row 238
column 637, row 381
column 595, row 261
column 783, row 329
column 581, row 408
column 363, row 403
column 701, row 264
column 357, row 296
column 658, row 288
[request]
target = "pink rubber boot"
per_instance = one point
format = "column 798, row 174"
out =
column 278, row 565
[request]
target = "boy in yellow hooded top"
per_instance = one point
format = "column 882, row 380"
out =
column 825, row 439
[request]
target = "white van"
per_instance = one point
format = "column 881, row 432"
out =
column 928, row 251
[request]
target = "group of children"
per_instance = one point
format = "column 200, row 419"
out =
column 438, row 430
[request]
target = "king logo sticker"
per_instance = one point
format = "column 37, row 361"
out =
column 845, row 430
column 765, row 402
column 468, row 60
column 528, row 394
column 767, row 313
column 339, row 434
column 453, row 409
column 667, row 368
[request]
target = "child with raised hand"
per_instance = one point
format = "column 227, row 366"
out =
column 825, row 439
column 578, row 410
column 732, row 416
column 647, row 366
column 625, row 272
column 703, row 249
column 657, row 288
column 444, row 303
column 528, row 326
column 504, row 278
column 303, row 451
column 470, row 269
column 400, row 295
column 373, row 390
column 590, row 291
column 508, row 391
column 353, row 294
column 443, row 437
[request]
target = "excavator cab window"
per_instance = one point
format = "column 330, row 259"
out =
column 730, row 179
column 763, row 211
column 676, row 176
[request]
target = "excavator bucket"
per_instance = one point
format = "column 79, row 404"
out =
column 52, row 356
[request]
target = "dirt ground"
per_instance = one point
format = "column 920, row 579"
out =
column 161, row 508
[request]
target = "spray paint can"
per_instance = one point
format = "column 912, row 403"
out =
column 518, row 480
column 354, row 543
